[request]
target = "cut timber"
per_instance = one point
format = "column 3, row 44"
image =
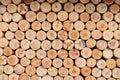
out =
column 36, row 25
column 57, row 63
column 102, row 8
column 19, row 69
column 86, row 71
column 67, row 25
column 11, row 8
column 96, row 72
column 7, row 51
column 107, row 53
column 40, row 54
column 80, row 62
column 63, row 54
column 45, row 7
column 30, row 70
column 20, row 52
column 73, row 16
column 79, row 7
column 51, row 16
column 90, row 8
column 52, row 71
column 63, row 71
column 68, row 7
column 86, row 52
column 91, row 62
column 56, row 7
column 8, row 69
column 41, row 16
column 35, row 62
column 101, row 44
column 46, row 62
column 34, row 6
column 101, row 64
column 55, row 46
column 79, row 25
column 68, row 63
column 30, row 16
column 62, row 35
column 25, row 61
column 73, row 34
column 57, row 25
column 22, row 8
column 84, row 17
column 74, row 71
column 52, row 54
column 114, row 8
column 74, row 53
column 95, row 17
column 85, row 34
column 110, row 63
column 62, row 15
column 12, row 60
column 68, row 44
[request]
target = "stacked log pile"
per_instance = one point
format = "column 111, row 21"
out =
column 59, row 39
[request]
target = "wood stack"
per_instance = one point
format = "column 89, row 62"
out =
column 59, row 40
